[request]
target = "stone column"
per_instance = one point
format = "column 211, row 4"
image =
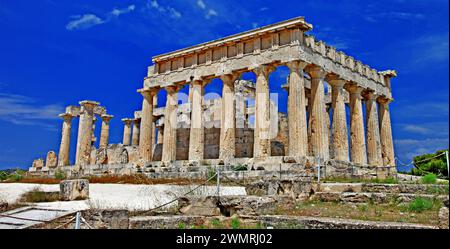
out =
column 387, row 145
column 64, row 148
column 318, row 114
column 227, row 148
column 155, row 105
column 169, row 152
column 298, row 133
column 127, row 131
column 373, row 131
column 145, row 136
column 339, row 126
column 84, row 140
column 196, row 136
column 357, row 139
column 104, row 133
column 135, row 135
column 160, row 137
column 261, row 148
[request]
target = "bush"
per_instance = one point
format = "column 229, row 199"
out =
column 420, row 204
column 429, row 163
column 235, row 223
column 16, row 176
column 181, row 226
column 37, row 195
column 3, row 175
column 429, row 178
column 60, row 175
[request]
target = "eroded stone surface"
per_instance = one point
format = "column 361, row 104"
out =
column 71, row 190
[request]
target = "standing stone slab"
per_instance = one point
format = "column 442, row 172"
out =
column 70, row 190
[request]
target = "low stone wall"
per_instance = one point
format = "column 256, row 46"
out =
column 384, row 188
column 378, row 198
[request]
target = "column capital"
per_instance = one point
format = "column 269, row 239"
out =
column 335, row 80
column 384, row 100
column 148, row 91
column 173, row 88
column 106, row 117
column 201, row 82
column 230, row 78
column 89, row 104
column 370, row 95
column 127, row 121
column 296, row 65
column 66, row 116
column 315, row 71
column 137, row 120
column 264, row 69
column 353, row 88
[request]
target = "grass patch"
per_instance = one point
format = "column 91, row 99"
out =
column 429, row 178
column 37, row 195
column 419, row 205
column 235, row 223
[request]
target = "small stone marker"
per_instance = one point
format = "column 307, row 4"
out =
column 70, row 190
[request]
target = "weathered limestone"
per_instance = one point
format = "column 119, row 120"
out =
column 51, row 160
column 262, row 113
column 227, row 148
column 127, row 131
column 135, row 135
column 38, row 164
column 196, row 138
column 70, row 190
column 373, row 131
column 169, row 152
column 339, row 126
column 317, row 116
column 104, row 133
column 357, row 139
column 85, row 132
column 387, row 144
column 64, row 147
column 145, row 139
column 298, row 136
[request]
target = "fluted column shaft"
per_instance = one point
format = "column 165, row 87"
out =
column 126, row 131
column 169, row 152
column 298, row 133
column 153, row 133
column 373, row 131
column 196, row 136
column 357, row 138
column 387, row 145
column 104, row 133
column 261, row 148
column 317, row 116
column 135, row 135
column 339, row 125
column 145, row 136
column 227, row 142
column 84, row 140
column 64, row 148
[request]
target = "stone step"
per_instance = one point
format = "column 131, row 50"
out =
column 384, row 188
column 366, row 197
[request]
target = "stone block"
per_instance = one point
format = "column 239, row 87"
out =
column 443, row 218
column 70, row 190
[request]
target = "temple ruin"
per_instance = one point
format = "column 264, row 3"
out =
column 179, row 138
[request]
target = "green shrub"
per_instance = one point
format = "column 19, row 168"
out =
column 181, row 226
column 16, row 176
column 3, row 175
column 429, row 178
column 216, row 223
column 235, row 223
column 240, row 167
column 420, row 204
column 60, row 175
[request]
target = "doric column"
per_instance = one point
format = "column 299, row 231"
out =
column 84, row 140
column 196, row 136
column 387, row 145
column 145, row 136
column 318, row 114
column 298, row 133
column 373, row 131
column 160, row 137
column 104, row 134
column 261, row 146
column 357, row 139
column 339, row 125
column 169, row 152
column 227, row 148
column 127, row 131
column 135, row 135
column 155, row 105
column 64, row 148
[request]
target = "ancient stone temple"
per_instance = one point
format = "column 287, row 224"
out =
column 322, row 84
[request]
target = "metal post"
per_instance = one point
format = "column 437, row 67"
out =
column 77, row 221
column 318, row 169
column 446, row 155
column 218, row 184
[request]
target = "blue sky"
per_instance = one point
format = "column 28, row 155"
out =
column 56, row 53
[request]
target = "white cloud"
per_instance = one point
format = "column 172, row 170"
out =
column 84, row 22
column 210, row 13
column 393, row 15
column 118, row 12
column 406, row 149
column 172, row 12
column 416, row 129
column 22, row 110
column 201, row 4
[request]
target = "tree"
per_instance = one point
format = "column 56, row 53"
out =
column 430, row 163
